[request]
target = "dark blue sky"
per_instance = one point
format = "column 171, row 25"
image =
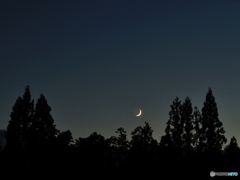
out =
column 96, row 61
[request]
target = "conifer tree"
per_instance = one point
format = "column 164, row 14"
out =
column 21, row 118
column 174, row 130
column 187, row 118
column 212, row 127
column 43, row 131
column 198, row 135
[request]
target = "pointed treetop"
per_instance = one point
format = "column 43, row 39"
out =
column 27, row 93
column 42, row 101
column 233, row 141
column 211, row 125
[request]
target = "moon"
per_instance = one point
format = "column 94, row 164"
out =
column 139, row 114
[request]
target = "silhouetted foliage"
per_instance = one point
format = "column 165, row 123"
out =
column 198, row 135
column 119, row 149
column 212, row 127
column 31, row 134
column 120, row 141
column 192, row 143
column 143, row 147
column 21, row 118
column 63, row 153
column 2, row 139
column 188, row 126
column 92, row 152
column 231, row 155
column 42, row 131
column 64, row 139
column 172, row 140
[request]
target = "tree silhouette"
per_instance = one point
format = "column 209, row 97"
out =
column 42, row 131
column 192, row 143
column 143, row 148
column 198, row 135
column 232, row 155
column 212, row 127
column 63, row 153
column 172, row 141
column 120, row 147
column 121, row 141
column 176, row 147
column 41, row 138
column 92, row 152
column 232, row 149
column 18, row 126
column 64, row 139
column 188, row 128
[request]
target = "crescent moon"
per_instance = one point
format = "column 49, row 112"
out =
column 139, row 114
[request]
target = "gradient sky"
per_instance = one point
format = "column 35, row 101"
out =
column 96, row 61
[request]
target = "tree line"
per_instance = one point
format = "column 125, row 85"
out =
column 193, row 143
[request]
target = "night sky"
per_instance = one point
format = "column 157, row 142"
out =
column 97, row 61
